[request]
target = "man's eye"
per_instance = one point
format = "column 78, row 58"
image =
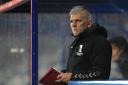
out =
column 78, row 21
column 71, row 21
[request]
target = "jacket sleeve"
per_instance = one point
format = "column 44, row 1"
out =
column 100, row 60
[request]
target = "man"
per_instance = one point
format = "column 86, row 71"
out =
column 119, row 68
column 90, row 52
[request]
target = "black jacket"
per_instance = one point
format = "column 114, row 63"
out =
column 90, row 57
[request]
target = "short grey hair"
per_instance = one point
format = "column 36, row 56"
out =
column 80, row 9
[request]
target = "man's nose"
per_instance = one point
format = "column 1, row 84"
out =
column 74, row 24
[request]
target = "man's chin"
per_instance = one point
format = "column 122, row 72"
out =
column 75, row 35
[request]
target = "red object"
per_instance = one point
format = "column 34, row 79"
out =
column 50, row 77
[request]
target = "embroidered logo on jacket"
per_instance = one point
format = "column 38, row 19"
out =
column 79, row 53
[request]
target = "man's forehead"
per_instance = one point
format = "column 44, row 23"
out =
column 78, row 15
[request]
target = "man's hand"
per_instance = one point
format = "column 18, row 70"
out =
column 64, row 77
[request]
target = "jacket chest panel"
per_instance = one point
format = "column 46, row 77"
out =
column 81, row 49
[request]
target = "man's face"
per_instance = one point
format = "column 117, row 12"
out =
column 78, row 23
column 115, row 52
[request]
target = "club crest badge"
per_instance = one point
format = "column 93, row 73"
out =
column 79, row 53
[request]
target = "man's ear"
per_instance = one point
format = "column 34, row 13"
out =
column 89, row 24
